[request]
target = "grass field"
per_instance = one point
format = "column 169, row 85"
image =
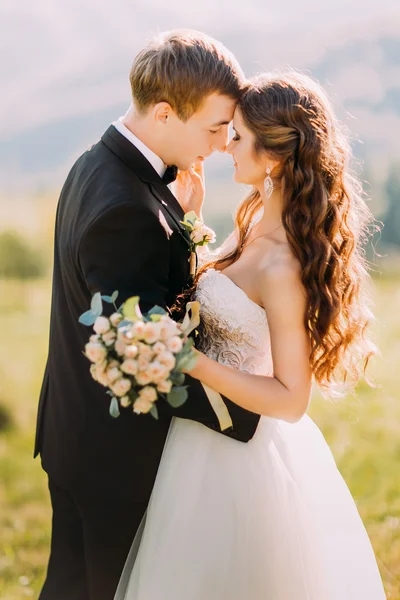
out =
column 363, row 432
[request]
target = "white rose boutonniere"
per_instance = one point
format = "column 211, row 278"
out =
column 200, row 235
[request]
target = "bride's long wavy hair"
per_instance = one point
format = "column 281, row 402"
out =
column 325, row 217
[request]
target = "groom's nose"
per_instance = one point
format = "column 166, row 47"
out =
column 223, row 138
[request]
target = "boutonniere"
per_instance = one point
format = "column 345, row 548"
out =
column 199, row 234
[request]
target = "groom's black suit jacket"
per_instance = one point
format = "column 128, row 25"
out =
column 117, row 228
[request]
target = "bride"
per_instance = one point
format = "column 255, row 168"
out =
column 281, row 304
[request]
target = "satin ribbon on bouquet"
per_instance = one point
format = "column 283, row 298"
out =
column 190, row 322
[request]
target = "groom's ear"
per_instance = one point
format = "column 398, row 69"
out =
column 161, row 112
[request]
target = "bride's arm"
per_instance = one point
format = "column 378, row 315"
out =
column 285, row 395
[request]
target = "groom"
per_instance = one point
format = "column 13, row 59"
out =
column 118, row 228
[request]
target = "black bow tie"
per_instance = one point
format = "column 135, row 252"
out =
column 170, row 175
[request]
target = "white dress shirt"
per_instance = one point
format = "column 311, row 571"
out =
column 153, row 159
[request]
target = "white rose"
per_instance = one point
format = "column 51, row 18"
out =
column 167, row 359
column 157, row 371
column 130, row 366
column 109, row 337
column 94, row 338
column 148, row 393
column 101, row 325
column 116, row 319
column 209, row 235
column 174, row 344
column 197, row 236
column 138, row 330
column 95, row 352
column 143, row 378
column 164, row 386
column 120, row 347
column 113, row 373
column 131, row 351
column 142, row 406
column 198, row 225
column 151, row 333
column 125, row 401
column 121, row 387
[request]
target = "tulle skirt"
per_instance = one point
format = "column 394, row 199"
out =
column 268, row 520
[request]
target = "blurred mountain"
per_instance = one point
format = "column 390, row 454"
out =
column 361, row 76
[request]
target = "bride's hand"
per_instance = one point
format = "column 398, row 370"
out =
column 189, row 188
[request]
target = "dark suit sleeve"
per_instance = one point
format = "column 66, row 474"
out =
column 126, row 249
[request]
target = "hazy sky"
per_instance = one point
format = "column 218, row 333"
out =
column 57, row 57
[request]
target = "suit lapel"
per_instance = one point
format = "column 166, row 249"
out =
column 134, row 159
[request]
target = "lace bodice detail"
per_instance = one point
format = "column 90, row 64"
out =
column 234, row 329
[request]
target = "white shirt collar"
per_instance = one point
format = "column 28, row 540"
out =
column 153, row 159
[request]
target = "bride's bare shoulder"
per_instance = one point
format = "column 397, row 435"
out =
column 280, row 263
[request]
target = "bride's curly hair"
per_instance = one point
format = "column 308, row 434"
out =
column 326, row 219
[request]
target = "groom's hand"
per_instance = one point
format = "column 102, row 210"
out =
column 189, row 188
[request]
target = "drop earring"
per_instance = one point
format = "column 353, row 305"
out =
column 268, row 184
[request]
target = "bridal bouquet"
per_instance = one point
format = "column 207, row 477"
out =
column 140, row 357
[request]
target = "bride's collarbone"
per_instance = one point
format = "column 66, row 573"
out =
column 245, row 277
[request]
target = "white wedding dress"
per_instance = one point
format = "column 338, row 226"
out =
column 268, row 520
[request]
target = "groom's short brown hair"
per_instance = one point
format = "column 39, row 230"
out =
column 182, row 68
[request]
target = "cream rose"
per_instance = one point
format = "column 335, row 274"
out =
column 120, row 347
column 143, row 362
column 145, row 350
column 138, row 330
column 151, row 333
column 121, row 387
column 116, row 319
column 101, row 375
column 130, row 366
column 142, row 406
column 159, row 347
column 113, row 373
column 125, row 401
column 167, row 359
column 109, row 337
column 101, row 325
column 95, row 352
column 148, row 393
column 131, row 351
column 174, row 344
column 143, row 378
column 157, row 371
column 164, row 386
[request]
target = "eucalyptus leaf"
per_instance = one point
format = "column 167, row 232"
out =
column 177, row 396
column 97, row 304
column 124, row 325
column 177, row 378
column 88, row 318
column 114, row 296
column 107, row 299
column 131, row 309
column 188, row 362
column 154, row 411
column 114, row 408
column 157, row 310
column 191, row 217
